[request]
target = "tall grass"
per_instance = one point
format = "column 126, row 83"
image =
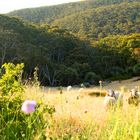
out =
column 61, row 114
column 14, row 122
column 85, row 118
column 82, row 118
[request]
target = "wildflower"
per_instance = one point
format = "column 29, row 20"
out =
column 28, row 106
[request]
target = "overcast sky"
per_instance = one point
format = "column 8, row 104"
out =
column 10, row 5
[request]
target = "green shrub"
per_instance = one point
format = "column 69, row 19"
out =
column 136, row 69
column 15, row 124
column 120, row 77
column 10, row 81
column 68, row 76
column 92, row 78
column 116, row 71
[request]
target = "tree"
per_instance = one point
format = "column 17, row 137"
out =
column 92, row 78
column 136, row 69
column 9, row 45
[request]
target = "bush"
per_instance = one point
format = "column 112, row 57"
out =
column 116, row 71
column 92, row 78
column 15, row 124
column 120, row 77
column 10, row 81
column 136, row 69
column 69, row 76
column 129, row 71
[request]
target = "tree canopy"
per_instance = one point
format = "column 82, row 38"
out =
column 87, row 42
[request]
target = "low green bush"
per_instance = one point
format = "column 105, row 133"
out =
column 14, row 123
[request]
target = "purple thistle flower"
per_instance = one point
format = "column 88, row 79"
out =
column 28, row 106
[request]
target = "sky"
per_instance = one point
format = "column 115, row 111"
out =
column 10, row 5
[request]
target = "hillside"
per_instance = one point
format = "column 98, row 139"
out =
column 69, row 72
column 63, row 58
column 44, row 46
column 48, row 14
column 103, row 21
column 91, row 19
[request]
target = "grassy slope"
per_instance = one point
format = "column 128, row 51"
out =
column 129, row 84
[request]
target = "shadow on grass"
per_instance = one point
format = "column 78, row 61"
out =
column 97, row 94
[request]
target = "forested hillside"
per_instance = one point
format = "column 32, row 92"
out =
column 48, row 14
column 91, row 19
column 44, row 47
column 76, row 42
column 64, row 59
column 103, row 21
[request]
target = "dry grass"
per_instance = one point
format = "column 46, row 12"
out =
column 79, row 104
column 77, row 111
column 128, row 84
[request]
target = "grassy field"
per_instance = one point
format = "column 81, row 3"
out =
column 80, row 116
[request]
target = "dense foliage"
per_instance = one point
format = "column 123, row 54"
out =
column 97, row 40
column 62, row 58
column 14, row 123
column 91, row 19
column 103, row 21
column 118, row 55
column 10, row 82
column 51, row 13
column 45, row 47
